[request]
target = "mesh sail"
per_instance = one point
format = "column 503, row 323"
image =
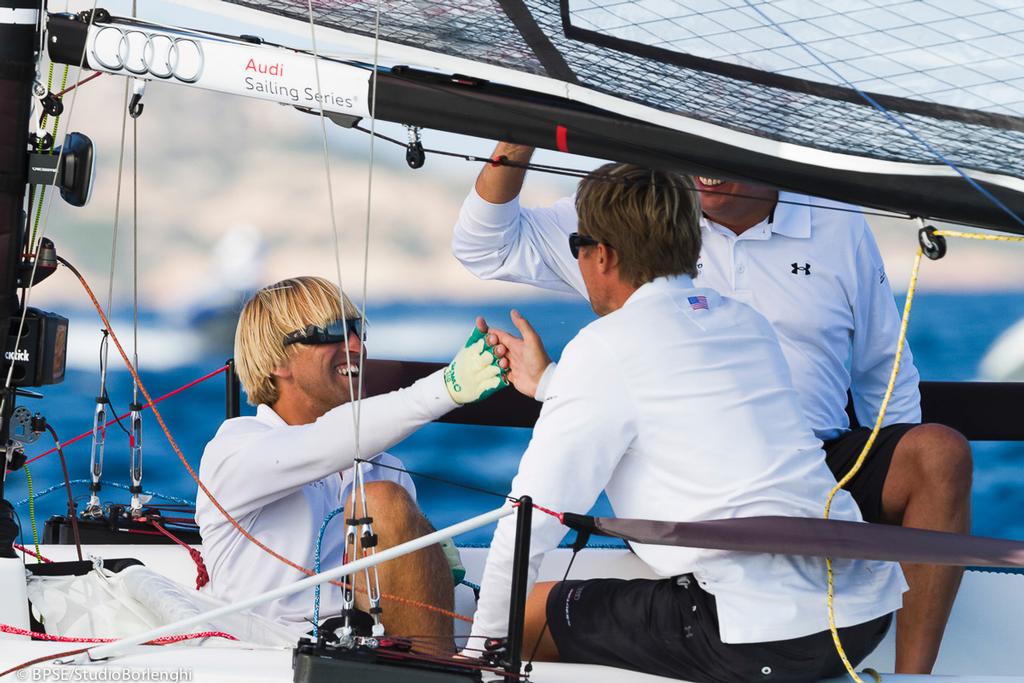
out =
column 786, row 71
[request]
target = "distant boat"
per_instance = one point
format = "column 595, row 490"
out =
column 1004, row 360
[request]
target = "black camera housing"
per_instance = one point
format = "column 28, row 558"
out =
column 41, row 355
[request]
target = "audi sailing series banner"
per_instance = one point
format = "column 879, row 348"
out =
column 231, row 66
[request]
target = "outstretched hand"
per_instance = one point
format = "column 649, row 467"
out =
column 474, row 373
column 523, row 359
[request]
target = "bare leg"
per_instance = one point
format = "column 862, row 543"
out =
column 536, row 619
column 423, row 576
column 928, row 487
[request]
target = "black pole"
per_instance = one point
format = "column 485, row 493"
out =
column 517, row 604
column 233, row 397
column 18, row 22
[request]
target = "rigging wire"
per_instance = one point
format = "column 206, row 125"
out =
column 373, row 590
column 433, row 477
column 94, row 508
column 159, row 399
column 135, row 438
column 357, row 412
column 581, row 173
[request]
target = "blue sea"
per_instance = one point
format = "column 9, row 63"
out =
column 949, row 334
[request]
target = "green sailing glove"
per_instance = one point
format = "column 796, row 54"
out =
column 451, row 553
column 474, row 374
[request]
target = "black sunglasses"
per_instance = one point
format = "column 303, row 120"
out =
column 577, row 240
column 332, row 333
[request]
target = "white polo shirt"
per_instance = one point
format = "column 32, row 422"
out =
column 280, row 481
column 653, row 404
column 814, row 272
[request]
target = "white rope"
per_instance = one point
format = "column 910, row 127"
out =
column 360, row 477
column 355, row 389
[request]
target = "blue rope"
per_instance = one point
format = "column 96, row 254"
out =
column 57, row 487
column 316, row 567
column 892, row 117
column 474, row 586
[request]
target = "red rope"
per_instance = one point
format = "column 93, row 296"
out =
column 202, row 575
column 81, row 82
column 31, row 552
column 166, row 640
column 121, row 417
column 548, row 511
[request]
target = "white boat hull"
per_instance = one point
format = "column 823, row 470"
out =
column 983, row 643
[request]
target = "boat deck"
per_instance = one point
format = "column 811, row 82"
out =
column 983, row 640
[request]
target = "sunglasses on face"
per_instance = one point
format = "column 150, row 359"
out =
column 577, row 240
column 332, row 333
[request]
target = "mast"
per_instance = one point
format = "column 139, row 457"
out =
column 18, row 24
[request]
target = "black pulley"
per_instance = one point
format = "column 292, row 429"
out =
column 52, row 105
column 414, row 154
column 933, row 245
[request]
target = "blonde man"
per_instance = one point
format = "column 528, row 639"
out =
column 280, row 472
column 678, row 403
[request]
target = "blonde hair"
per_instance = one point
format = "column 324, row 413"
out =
column 270, row 314
column 651, row 218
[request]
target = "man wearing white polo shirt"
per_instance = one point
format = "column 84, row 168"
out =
column 811, row 267
column 651, row 403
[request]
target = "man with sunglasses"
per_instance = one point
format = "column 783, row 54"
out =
column 651, row 403
column 281, row 472
column 812, row 268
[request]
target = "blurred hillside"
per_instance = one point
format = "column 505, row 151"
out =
column 212, row 164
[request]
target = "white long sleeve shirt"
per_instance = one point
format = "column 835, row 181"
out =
column 684, row 414
column 813, row 270
column 280, row 481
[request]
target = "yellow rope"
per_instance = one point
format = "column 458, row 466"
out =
column 32, row 513
column 912, row 287
column 39, row 148
column 978, row 236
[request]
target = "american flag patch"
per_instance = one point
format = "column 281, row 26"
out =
column 698, row 302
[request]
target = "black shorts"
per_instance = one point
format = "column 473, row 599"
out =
column 866, row 488
column 669, row 627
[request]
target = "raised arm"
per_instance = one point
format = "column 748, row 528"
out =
column 250, row 470
column 496, row 239
column 247, row 469
column 500, row 184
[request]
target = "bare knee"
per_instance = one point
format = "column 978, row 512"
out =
column 940, row 458
column 391, row 508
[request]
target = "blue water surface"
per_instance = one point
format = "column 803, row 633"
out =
column 949, row 334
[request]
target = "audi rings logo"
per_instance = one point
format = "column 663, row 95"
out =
column 156, row 55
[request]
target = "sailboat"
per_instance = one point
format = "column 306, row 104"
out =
column 588, row 78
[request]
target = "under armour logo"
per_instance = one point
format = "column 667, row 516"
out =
column 805, row 269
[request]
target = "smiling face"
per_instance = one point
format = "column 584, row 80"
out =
column 737, row 206
column 316, row 378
